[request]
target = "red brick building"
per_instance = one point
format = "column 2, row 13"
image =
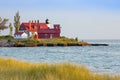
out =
column 40, row 30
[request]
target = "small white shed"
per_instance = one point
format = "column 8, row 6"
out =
column 20, row 35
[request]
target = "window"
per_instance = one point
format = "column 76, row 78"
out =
column 51, row 36
column 46, row 35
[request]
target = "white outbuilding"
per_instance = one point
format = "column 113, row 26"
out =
column 20, row 35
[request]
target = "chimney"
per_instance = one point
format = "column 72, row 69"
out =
column 32, row 21
column 29, row 25
column 37, row 21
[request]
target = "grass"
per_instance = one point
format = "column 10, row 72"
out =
column 15, row 70
column 54, row 40
column 61, row 40
column 7, row 37
column 32, row 42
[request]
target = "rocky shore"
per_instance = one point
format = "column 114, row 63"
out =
column 7, row 43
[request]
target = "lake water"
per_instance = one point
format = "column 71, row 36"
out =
column 102, row 59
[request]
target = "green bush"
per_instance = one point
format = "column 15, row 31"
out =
column 7, row 37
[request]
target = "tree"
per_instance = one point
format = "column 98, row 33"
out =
column 76, row 39
column 17, row 22
column 3, row 23
column 11, row 29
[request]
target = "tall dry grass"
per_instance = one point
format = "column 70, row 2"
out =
column 15, row 70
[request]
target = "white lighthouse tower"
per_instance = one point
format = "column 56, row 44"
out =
column 48, row 23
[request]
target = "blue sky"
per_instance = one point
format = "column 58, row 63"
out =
column 61, row 4
column 86, row 19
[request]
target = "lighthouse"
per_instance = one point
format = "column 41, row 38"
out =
column 48, row 23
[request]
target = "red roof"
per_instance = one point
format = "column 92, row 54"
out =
column 18, row 33
column 34, row 26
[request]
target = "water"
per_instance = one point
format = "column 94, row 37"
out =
column 101, row 59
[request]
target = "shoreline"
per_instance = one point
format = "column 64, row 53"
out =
column 8, row 41
column 61, row 45
column 51, row 45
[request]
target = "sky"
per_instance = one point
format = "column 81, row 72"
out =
column 85, row 19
